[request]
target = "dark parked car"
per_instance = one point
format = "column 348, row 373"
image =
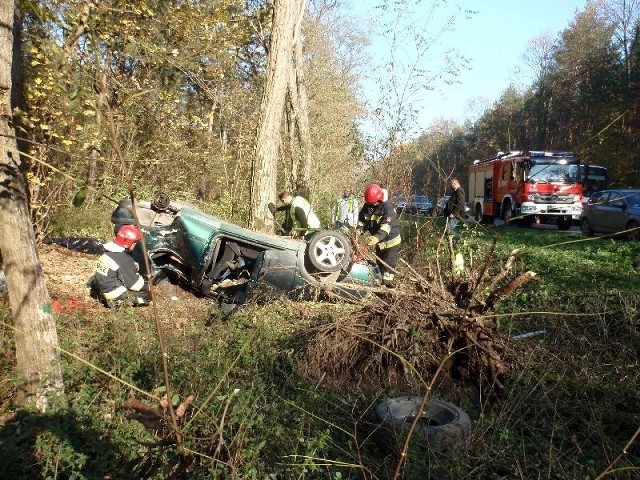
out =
column 405, row 206
column 220, row 260
column 612, row 211
column 423, row 204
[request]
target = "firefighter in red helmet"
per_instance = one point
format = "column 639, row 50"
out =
column 116, row 280
column 378, row 217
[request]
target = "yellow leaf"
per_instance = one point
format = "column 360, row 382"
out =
column 89, row 113
column 44, row 126
column 37, row 80
column 79, row 127
column 66, row 141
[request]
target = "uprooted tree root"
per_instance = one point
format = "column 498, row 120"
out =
column 409, row 332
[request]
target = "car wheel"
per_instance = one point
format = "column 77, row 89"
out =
column 585, row 228
column 329, row 251
column 443, row 425
column 633, row 235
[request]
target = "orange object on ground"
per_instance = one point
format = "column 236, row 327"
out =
column 67, row 306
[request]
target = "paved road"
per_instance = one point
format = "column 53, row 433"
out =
column 573, row 230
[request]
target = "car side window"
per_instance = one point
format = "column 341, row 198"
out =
column 615, row 200
column 634, row 200
column 598, row 198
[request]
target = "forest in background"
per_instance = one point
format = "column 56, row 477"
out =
column 178, row 86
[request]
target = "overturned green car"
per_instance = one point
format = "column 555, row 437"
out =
column 220, row 260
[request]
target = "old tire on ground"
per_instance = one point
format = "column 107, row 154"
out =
column 585, row 228
column 329, row 251
column 442, row 426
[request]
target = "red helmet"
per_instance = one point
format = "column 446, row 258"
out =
column 373, row 194
column 127, row 236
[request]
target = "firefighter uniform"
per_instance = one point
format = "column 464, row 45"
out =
column 116, row 275
column 381, row 221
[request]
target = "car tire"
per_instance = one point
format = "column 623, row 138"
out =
column 635, row 234
column 586, row 228
column 443, row 425
column 329, row 251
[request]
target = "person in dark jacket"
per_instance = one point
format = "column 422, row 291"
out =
column 116, row 279
column 454, row 209
column 378, row 217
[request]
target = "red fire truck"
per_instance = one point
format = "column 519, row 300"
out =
column 527, row 187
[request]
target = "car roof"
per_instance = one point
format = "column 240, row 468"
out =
column 617, row 190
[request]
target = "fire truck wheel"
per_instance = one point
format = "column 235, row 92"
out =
column 508, row 213
column 586, row 228
column 634, row 234
column 564, row 223
column 477, row 213
column 527, row 221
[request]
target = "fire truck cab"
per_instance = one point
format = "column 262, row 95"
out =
column 527, row 187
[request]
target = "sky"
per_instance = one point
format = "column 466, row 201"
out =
column 493, row 36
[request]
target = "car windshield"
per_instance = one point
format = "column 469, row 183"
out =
column 553, row 172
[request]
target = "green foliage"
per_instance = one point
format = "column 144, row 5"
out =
column 88, row 221
column 572, row 395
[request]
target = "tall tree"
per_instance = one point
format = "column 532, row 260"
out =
column 298, row 109
column 263, row 175
column 36, row 338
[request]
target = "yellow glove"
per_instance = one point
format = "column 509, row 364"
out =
column 372, row 241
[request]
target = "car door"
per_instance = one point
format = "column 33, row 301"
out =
column 597, row 210
column 614, row 217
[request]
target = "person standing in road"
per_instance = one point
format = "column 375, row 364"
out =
column 116, row 279
column 344, row 214
column 454, row 209
column 378, row 217
column 301, row 220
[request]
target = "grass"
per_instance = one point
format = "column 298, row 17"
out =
column 565, row 413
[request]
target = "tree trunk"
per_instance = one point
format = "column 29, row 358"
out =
column 263, row 175
column 300, row 106
column 37, row 353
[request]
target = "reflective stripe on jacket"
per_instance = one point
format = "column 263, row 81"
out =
column 302, row 214
column 381, row 221
column 345, row 210
column 116, row 272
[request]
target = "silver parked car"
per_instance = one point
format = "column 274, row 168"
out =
column 612, row 211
